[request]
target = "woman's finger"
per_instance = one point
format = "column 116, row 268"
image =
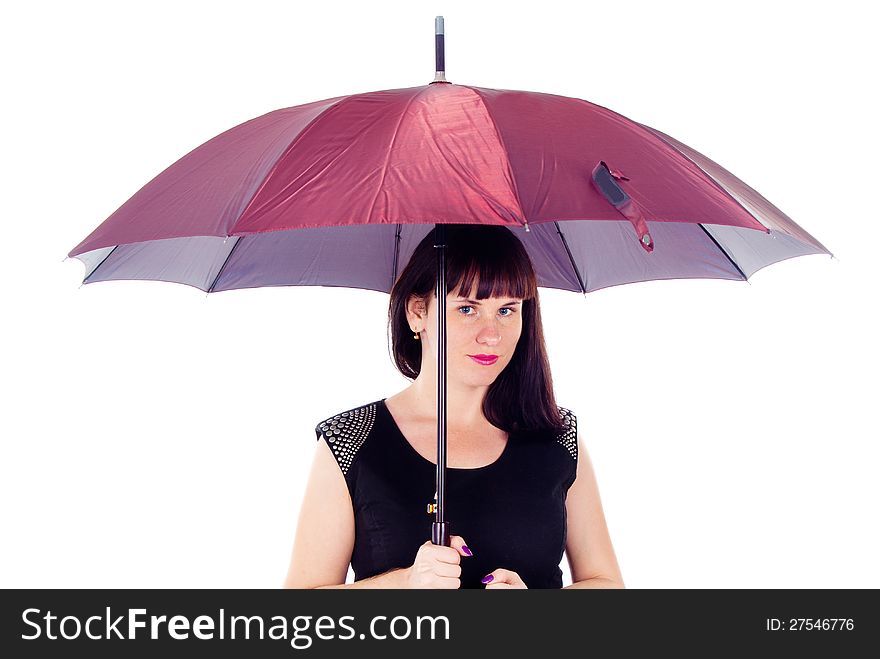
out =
column 458, row 544
column 503, row 578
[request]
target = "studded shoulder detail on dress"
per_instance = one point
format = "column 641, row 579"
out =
column 345, row 433
column 568, row 438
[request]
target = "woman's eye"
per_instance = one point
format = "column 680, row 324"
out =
column 504, row 315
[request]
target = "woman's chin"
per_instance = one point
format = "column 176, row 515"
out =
column 477, row 380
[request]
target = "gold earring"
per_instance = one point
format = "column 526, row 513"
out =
column 416, row 335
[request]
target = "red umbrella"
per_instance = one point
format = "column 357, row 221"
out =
column 339, row 192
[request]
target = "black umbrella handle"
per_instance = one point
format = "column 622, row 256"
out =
column 440, row 532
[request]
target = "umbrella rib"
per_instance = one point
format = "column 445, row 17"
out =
column 723, row 251
column 505, row 153
column 396, row 253
column 100, row 264
column 226, row 260
column 571, row 258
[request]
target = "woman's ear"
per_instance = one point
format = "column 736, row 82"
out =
column 416, row 310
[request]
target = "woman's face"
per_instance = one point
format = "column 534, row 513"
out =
column 474, row 329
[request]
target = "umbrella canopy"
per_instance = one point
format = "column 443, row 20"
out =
column 339, row 192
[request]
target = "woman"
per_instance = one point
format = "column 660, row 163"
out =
column 520, row 486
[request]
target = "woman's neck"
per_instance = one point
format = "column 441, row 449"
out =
column 464, row 404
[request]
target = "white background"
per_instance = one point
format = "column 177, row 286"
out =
column 154, row 436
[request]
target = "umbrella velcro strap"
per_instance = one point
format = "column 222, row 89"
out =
column 603, row 181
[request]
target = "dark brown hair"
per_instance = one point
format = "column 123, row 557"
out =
column 521, row 398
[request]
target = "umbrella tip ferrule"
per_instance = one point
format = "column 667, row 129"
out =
column 527, row 227
column 439, row 51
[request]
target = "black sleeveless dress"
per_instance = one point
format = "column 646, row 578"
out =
column 511, row 513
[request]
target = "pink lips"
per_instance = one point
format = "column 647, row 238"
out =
column 485, row 360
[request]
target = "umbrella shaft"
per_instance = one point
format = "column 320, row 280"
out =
column 440, row 531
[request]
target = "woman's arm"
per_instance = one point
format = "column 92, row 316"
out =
column 396, row 578
column 588, row 544
column 325, row 529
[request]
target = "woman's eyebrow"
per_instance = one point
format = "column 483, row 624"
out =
column 477, row 304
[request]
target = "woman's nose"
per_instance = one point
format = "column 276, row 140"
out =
column 490, row 335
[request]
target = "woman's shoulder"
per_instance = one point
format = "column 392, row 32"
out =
column 351, row 421
column 568, row 436
column 346, row 431
column 563, row 433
